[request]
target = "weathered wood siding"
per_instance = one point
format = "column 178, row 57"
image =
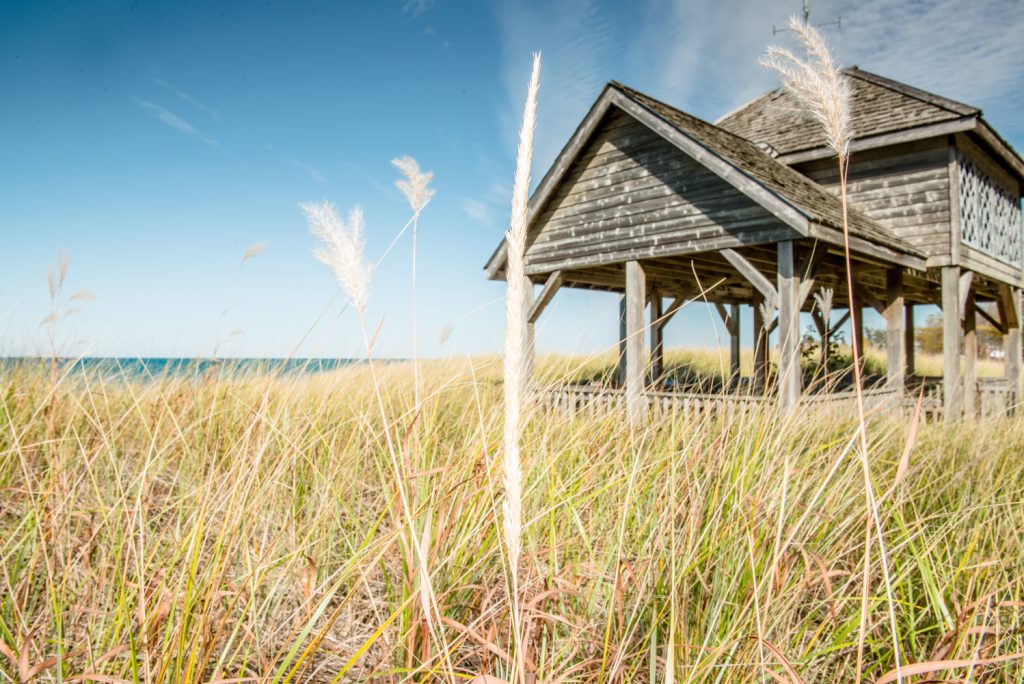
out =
column 904, row 187
column 631, row 194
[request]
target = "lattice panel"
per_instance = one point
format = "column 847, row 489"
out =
column 990, row 216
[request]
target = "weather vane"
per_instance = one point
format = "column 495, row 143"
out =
column 807, row 19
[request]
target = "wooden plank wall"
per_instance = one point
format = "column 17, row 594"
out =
column 904, row 187
column 631, row 194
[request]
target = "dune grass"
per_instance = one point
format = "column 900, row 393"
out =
column 214, row 529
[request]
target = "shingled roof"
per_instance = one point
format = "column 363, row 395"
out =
column 879, row 105
column 805, row 195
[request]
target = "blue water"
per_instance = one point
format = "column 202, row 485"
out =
column 164, row 367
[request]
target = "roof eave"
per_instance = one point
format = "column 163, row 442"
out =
column 963, row 124
column 869, row 248
column 555, row 173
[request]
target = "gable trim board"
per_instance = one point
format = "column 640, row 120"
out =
column 798, row 219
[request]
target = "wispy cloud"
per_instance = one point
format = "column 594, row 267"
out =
column 416, row 7
column 968, row 51
column 185, row 97
column 702, row 55
column 310, row 171
column 490, row 209
column 169, row 118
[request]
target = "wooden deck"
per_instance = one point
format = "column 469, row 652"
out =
column 994, row 398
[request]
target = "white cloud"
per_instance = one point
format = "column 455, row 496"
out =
column 416, row 7
column 169, row 118
column 185, row 97
column 478, row 210
column 702, row 55
column 491, row 209
column 967, row 51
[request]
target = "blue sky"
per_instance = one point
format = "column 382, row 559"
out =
column 156, row 142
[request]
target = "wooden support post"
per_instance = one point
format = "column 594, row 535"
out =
column 657, row 340
column 620, row 376
column 789, row 328
column 734, row 346
column 857, row 327
column 1013, row 344
column 895, row 334
column 952, row 406
column 760, row 344
column 530, row 353
column 970, row 355
column 908, row 339
column 636, row 363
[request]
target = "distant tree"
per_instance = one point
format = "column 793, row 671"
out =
column 929, row 336
column 875, row 337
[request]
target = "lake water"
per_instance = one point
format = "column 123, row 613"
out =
column 163, row 367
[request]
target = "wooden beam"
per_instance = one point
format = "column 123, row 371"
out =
column 838, row 324
column 908, row 339
column 952, row 406
column 857, row 327
column 789, row 328
column 753, row 276
column 895, row 332
column 621, row 375
column 734, row 345
column 551, row 286
column 808, row 270
column 970, row 356
column 636, row 363
column 865, row 297
column 966, row 277
column 1012, row 346
column 530, row 353
column 998, row 325
column 760, row 345
column 671, row 311
column 657, row 340
column 819, row 322
column 1009, row 298
column 728, row 318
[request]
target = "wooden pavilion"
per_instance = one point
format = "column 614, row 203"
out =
column 650, row 202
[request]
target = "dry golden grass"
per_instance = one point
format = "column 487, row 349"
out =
column 191, row 530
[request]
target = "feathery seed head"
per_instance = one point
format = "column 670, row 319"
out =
column 823, row 299
column 415, row 186
column 816, row 83
column 515, row 363
column 342, row 249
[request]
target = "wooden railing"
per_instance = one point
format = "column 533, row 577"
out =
column 995, row 397
column 597, row 399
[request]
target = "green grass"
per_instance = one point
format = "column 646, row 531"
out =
column 205, row 530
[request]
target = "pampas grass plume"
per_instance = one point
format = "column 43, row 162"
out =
column 342, row 249
column 415, row 186
column 821, row 88
column 515, row 327
column 516, row 344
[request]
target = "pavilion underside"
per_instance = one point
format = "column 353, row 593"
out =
column 778, row 281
